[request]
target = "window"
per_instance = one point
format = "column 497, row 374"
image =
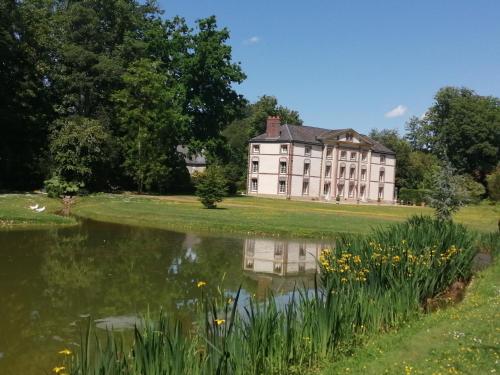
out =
column 343, row 155
column 351, row 191
column 278, row 249
column 381, row 176
column 305, row 188
column 255, row 166
column 364, row 154
column 254, row 185
column 380, row 192
column 326, row 188
column 348, row 137
column 307, row 168
column 382, row 159
column 353, row 156
column 277, row 267
column 302, row 251
column 329, row 151
column 282, row 187
column 328, row 171
column 302, row 267
column 340, row 190
column 307, row 150
column 342, row 172
column 352, row 172
column 362, row 192
column 363, row 174
column 256, row 149
column 284, row 149
column 249, row 264
column 282, row 166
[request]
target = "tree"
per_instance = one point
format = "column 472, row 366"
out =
column 78, row 146
column 211, row 186
column 150, row 114
column 209, row 75
column 447, row 194
column 493, row 180
column 462, row 125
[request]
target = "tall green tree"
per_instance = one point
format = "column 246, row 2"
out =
column 464, row 127
column 150, row 111
column 25, row 96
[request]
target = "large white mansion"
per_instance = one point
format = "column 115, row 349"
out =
column 306, row 162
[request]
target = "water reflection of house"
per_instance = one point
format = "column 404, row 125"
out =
column 283, row 258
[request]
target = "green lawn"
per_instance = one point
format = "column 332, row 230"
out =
column 464, row 339
column 15, row 211
column 262, row 216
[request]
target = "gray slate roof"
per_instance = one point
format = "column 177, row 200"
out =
column 312, row 135
column 191, row 159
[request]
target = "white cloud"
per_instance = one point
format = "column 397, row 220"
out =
column 398, row 111
column 253, row 40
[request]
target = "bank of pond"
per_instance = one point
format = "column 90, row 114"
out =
column 365, row 285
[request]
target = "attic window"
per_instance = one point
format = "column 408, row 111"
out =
column 382, row 159
column 284, row 149
column 348, row 137
column 256, row 149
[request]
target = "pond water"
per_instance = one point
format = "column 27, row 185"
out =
column 52, row 280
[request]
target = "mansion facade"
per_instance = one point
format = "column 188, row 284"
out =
column 313, row 163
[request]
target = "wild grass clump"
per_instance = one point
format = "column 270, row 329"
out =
column 367, row 285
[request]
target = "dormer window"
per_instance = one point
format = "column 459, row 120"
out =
column 284, row 149
column 256, row 149
column 348, row 137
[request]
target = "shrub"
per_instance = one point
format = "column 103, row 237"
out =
column 413, row 196
column 56, row 187
column 493, row 180
column 211, row 186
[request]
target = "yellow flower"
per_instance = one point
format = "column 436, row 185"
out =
column 201, row 284
column 357, row 259
column 57, row 370
column 344, row 280
column 65, row 352
column 219, row 321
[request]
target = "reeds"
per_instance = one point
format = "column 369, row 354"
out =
column 367, row 285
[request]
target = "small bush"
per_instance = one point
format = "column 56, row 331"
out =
column 56, row 187
column 413, row 196
column 211, row 186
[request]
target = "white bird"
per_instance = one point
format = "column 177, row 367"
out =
column 34, row 207
column 41, row 209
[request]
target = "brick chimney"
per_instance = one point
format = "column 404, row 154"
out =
column 273, row 127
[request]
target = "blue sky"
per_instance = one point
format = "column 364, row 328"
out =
column 359, row 64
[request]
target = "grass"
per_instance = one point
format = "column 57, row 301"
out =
column 463, row 339
column 251, row 215
column 15, row 211
column 313, row 327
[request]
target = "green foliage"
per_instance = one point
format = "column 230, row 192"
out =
column 448, row 194
column 211, row 186
column 78, row 147
column 369, row 285
column 413, row 196
column 150, row 112
column 493, row 180
column 474, row 190
column 57, row 187
column 463, row 125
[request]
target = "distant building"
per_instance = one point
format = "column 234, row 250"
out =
column 313, row 163
column 194, row 162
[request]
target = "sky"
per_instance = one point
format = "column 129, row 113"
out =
column 357, row 64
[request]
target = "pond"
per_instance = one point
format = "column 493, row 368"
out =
column 53, row 280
